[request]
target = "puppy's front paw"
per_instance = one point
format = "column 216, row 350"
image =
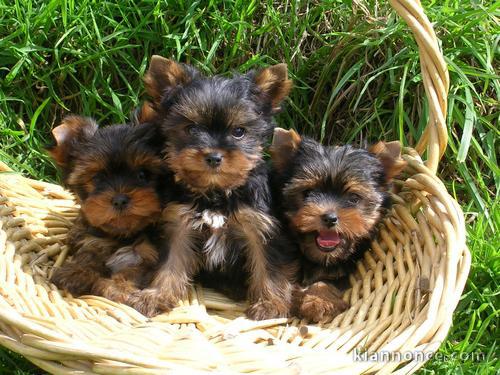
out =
column 150, row 302
column 75, row 279
column 317, row 309
column 116, row 289
column 264, row 309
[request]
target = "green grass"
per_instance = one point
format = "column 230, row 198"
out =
column 356, row 72
column 473, row 342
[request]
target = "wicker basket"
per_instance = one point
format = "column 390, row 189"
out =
column 402, row 295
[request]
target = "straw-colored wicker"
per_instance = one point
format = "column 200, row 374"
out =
column 402, row 295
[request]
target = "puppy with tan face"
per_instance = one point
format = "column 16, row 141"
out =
column 121, row 183
column 220, row 227
column 332, row 199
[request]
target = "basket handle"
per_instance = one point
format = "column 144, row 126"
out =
column 435, row 76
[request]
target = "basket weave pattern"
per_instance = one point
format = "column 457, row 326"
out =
column 402, row 295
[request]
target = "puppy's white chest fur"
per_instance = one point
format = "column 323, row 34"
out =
column 214, row 220
column 215, row 247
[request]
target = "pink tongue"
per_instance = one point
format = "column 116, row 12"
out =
column 328, row 239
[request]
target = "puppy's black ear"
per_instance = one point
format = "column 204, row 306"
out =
column 274, row 84
column 149, row 134
column 389, row 153
column 284, row 146
column 163, row 76
column 72, row 131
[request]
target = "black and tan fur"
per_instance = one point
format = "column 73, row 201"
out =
column 332, row 200
column 221, row 226
column 120, row 182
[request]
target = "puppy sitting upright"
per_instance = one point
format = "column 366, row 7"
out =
column 220, row 225
column 118, row 176
column 332, row 199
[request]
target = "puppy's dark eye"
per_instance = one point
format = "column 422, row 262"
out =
column 192, row 130
column 143, row 175
column 354, row 198
column 98, row 178
column 238, row 133
column 306, row 193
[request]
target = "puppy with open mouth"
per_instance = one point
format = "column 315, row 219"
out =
column 332, row 199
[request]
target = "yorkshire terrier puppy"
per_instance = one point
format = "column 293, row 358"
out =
column 119, row 180
column 220, row 225
column 332, row 199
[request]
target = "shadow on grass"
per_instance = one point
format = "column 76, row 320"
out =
column 13, row 363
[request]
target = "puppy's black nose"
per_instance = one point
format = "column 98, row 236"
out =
column 120, row 201
column 330, row 219
column 214, row 159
